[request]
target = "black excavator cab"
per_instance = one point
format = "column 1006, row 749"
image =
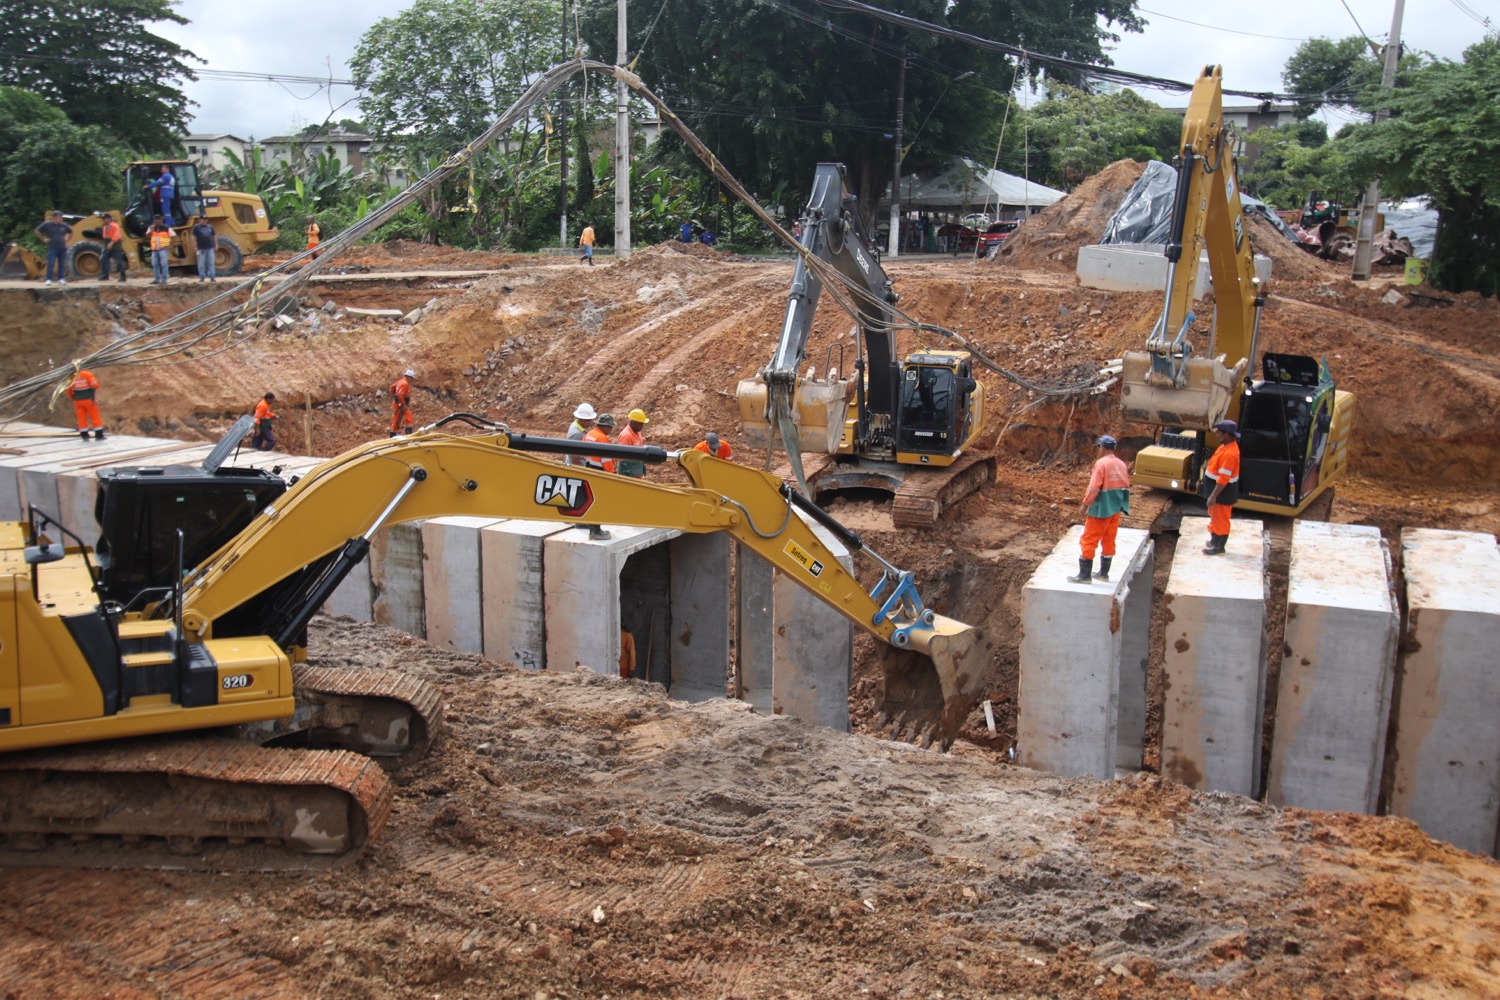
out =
column 1285, row 421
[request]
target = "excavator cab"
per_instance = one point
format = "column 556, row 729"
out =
column 940, row 402
column 1293, row 431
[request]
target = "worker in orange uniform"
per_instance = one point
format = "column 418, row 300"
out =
column 713, row 446
column 631, row 435
column 627, row 654
column 112, row 235
column 159, row 237
column 264, row 438
column 586, row 241
column 599, row 434
column 1107, row 498
column 314, row 235
column 82, row 391
column 401, row 404
column 1223, row 472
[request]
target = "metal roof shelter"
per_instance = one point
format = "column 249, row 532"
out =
column 967, row 184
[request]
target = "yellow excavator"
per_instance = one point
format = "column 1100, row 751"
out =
column 192, row 612
column 1295, row 423
column 901, row 426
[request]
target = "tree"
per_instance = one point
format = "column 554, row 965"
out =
column 48, row 162
column 1075, row 133
column 1296, row 161
column 1342, row 72
column 95, row 60
column 1440, row 141
column 773, row 94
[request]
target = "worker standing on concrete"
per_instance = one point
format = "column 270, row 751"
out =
column 713, row 446
column 1107, row 498
column 82, row 391
column 631, row 435
column 160, row 237
column 55, row 233
column 112, row 234
column 583, row 420
column 1223, row 471
column 599, row 434
column 586, row 240
column 401, row 418
column 264, row 437
column 205, row 245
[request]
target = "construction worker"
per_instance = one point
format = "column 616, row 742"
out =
column 631, row 435
column 599, row 434
column 164, row 191
column 583, row 419
column 264, row 437
column 1223, row 473
column 314, row 235
column 586, row 240
column 160, row 241
column 56, row 233
column 401, row 418
column 627, row 654
column 112, row 234
column 713, row 446
column 1107, row 498
column 81, row 391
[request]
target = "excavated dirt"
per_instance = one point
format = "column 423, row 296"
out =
column 731, row 855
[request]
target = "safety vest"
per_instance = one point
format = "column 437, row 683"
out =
column 112, row 233
column 402, row 390
column 161, row 239
column 313, row 235
column 83, row 387
column 592, row 461
column 263, row 411
column 724, row 452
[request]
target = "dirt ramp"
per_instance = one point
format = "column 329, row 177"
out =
column 1050, row 239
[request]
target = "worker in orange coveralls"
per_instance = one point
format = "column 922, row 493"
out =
column 599, row 434
column 81, row 391
column 264, row 438
column 1223, row 472
column 711, row 445
column 1107, row 498
column 401, row 404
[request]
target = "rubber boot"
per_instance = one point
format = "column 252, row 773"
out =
column 1215, row 546
column 1103, row 573
column 393, row 433
column 1084, row 574
column 99, row 434
column 597, row 533
column 84, row 435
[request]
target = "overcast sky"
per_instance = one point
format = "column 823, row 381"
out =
column 317, row 39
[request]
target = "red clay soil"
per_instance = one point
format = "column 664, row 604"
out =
column 725, row 849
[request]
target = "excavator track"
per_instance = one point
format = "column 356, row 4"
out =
column 925, row 494
column 207, row 804
column 383, row 714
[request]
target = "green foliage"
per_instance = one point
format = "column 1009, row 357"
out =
column 1441, row 142
column 47, row 162
column 1075, row 133
column 1343, row 72
column 97, row 62
column 1295, row 162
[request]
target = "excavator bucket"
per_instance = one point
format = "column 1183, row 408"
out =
column 1149, row 396
column 818, row 410
column 18, row 262
column 928, row 690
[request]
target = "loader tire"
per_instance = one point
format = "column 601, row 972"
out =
column 228, row 257
column 86, row 261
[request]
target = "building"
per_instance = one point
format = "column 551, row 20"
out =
column 1248, row 118
column 211, row 149
column 351, row 149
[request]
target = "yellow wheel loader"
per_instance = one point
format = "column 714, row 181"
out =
column 192, row 612
column 1295, row 424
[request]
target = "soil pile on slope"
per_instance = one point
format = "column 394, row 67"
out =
column 1050, row 239
column 1289, row 262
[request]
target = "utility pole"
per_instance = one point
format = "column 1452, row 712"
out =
column 895, row 241
column 622, row 142
column 1365, row 243
column 562, row 141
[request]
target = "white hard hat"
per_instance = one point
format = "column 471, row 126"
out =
column 585, row 411
column 409, row 373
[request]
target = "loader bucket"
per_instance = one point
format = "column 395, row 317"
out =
column 927, row 691
column 818, row 410
column 18, row 262
column 1148, row 396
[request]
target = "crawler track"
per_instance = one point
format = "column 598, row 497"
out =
column 926, row 493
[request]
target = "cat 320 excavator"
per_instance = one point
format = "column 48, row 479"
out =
column 912, row 420
column 192, row 613
column 1294, row 422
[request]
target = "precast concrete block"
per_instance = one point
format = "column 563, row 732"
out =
column 515, row 614
column 700, row 616
column 452, row 591
column 1447, row 740
column 1142, row 267
column 581, row 593
column 1082, row 704
column 812, row 647
column 34, row 451
column 1216, row 660
column 1334, row 692
column 395, row 561
column 754, row 631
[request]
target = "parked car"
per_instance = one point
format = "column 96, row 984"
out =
column 990, row 240
column 960, row 238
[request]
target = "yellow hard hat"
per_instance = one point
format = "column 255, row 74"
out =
column 639, row 414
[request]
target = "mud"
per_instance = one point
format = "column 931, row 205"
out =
column 738, row 856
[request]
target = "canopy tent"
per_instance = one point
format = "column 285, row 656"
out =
column 967, row 185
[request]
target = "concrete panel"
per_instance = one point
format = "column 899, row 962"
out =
column 754, row 613
column 451, row 582
column 700, row 616
column 1447, row 760
column 1083, row 652
column 812, row 648
column 581, row 588
column 1216, row 660
column 511, row 554
column 1142, row 267
column 35, row 451
column 396, row 577
column 1333, row 704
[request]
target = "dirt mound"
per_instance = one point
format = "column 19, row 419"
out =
column 408, row 255
column 1050, row 239
column 1289, row 262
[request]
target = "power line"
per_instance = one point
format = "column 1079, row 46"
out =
column 1215, row 27
column 203, row 73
